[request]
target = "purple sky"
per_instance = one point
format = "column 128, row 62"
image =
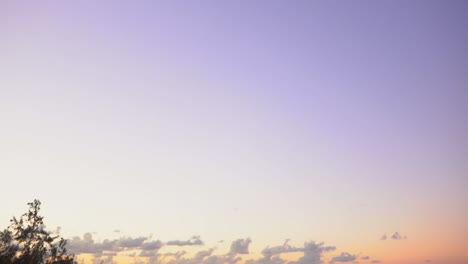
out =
column 335, row 121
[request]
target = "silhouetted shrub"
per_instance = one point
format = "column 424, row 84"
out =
column 26, row 242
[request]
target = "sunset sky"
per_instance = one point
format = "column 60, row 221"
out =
column 222, row 128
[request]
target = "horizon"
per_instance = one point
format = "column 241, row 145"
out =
column 262, row 124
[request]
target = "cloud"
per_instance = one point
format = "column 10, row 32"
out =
column 240, row 246
column 375, row 261
column 86, row 245
column 128, row 242
column 177, row 254
column 102, row 252
column 153, row 245
column 397, row 236
column 194, row 241
column 78, row 245
column 313, row 253
column 267, row 260
column 223, row 259
column 204, row 253
column 148, row 253
column 343, row 257
column 285, row 248
column 365, row 257
column 149, row 250
column 197, row 259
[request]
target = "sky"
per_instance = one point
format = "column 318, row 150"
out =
column 225, row 128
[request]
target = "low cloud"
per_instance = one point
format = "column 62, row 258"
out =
column 285, row 248
column 375, row 261
column 397, row 236
column 128, row 242
column 147, row 250
column 240, row 246
column 197, row 259
column 78, row 245
column 176, row 255
column 194, row 241
column 153, row 245
column 343, row 257
column 312, row 254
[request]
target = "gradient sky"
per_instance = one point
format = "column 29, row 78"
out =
column 331, row 121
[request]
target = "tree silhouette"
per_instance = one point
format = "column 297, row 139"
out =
column 26, row 241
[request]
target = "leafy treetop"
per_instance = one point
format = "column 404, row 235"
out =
column 26, row 241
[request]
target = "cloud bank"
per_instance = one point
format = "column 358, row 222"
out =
column 147, row 250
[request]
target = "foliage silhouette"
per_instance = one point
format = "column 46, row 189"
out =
column 26, row 242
